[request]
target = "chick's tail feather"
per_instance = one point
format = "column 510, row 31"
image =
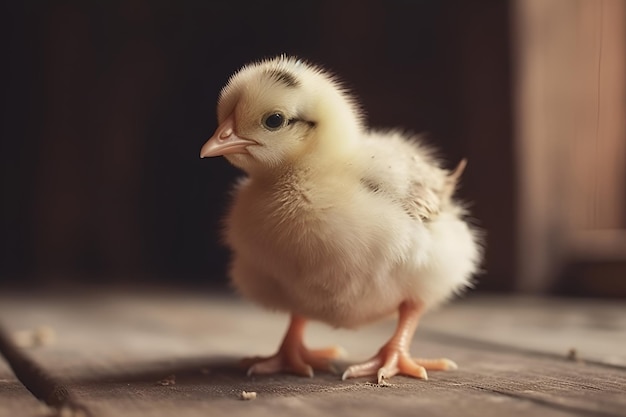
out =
column 453, row 179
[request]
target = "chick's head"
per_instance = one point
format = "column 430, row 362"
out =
column 279, row 111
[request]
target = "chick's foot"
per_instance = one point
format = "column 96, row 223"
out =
column 293, row 356
column 393, row 358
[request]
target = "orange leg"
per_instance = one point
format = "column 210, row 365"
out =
column 293, row 356
column 394, row 358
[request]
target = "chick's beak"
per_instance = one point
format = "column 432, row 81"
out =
column 224, row 141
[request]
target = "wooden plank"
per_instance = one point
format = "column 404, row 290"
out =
column 594, row 329
column 570, row 98
column 112, row 349
column 15, row 400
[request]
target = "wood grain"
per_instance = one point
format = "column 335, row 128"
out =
column 112, row 349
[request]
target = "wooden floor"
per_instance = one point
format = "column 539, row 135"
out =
column 171, row 353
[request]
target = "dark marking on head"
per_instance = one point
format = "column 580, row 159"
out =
column 298, row 120
column 283, row 77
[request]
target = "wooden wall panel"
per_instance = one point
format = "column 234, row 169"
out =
column 570, row 112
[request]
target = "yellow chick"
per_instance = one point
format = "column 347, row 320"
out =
column 335, row 222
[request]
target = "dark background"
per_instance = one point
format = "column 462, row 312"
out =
column 107, row 103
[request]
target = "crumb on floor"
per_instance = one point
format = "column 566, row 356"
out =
column 573, row 355
column 247, row 396
column 169, row 380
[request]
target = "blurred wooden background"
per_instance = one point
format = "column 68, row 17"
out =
column 106, row 105
column 570, row 135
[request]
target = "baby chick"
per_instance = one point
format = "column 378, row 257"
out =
column 335, row 222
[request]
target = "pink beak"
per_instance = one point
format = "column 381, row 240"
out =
column 224, row 141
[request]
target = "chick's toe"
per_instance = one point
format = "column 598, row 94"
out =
column 293, row 356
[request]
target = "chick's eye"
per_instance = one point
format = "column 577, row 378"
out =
column 273, row 121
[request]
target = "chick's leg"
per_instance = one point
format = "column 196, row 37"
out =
column 293, row 356
column 394, row 358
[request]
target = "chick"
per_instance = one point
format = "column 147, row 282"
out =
column 336, row 222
